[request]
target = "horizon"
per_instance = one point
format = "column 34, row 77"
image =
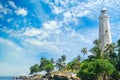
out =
column 33, row 29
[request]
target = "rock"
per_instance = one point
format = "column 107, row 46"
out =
column 57, row 77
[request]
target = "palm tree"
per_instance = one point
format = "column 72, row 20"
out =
column 84, row 51
column 118, row 61
column 115, row 59
column 110, row 47
column 96, row 43
column 60, row 63
column 78, row 58
column 97, row 53
column 110, row 51
column 97, row 50
column 118, row 56
column 63, row 58
column 118, row 43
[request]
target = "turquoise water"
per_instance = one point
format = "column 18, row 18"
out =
column 6, row 78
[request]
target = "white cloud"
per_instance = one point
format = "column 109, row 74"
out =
column 32, row 32
column 12, row 4
column 48, row 28
column 67, row 14
column 46, row 39
column 88, row 8
column 21, row 11
column 4, row 10
column 57, row 37
column 57, row 10
column 51, row 25
column 55, row 31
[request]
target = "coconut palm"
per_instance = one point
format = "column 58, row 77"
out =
column 78, row 58
column 110, row 51
column 97, row 50
column 118, row 43
column 63, row 58
column 84, row 51
column 60, row 63
column 96, row 43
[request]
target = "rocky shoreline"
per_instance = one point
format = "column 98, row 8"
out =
column 47, row 77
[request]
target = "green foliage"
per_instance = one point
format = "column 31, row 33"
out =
column 74, row 65
column 118, row 43
column 118, row 56
column 110, row 52
column 96, row 50
column 78, row 58
column 99, row 65
column 46, row 65
column 95, row 69
column 113, row 51
column 60, row 63
column 34, row 69
column 116, row 75
column 103, row 67
column 63, row 58
column 84, row 51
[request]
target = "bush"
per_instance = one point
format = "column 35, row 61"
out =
column 96, row 69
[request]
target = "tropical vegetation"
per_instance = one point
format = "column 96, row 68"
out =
column 101, row 64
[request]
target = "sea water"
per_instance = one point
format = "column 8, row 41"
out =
column 6, row 78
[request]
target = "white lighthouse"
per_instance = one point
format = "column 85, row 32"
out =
column 104, row 29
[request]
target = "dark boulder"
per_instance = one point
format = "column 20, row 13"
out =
column 57, row 77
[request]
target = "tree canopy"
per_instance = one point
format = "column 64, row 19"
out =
column 96, row 69
column 46, row 65
column 101, row 64
column 34, row 69
column 60, row 63
column 73, row 65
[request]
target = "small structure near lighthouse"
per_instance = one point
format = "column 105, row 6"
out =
column 104, row 29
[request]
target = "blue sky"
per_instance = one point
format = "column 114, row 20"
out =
column 31, row 29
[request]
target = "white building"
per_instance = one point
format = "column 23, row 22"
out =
column 104, row 29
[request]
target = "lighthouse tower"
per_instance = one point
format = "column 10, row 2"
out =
column 104, row 29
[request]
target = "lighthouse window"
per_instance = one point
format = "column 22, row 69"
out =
column 106, row 31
